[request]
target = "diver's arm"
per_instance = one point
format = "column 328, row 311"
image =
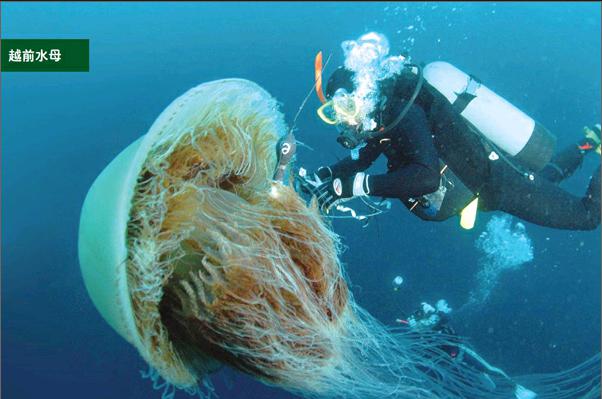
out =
column 420, row 173
column 348, row 166
column 413, row 180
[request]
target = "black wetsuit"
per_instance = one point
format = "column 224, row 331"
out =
column 433, row 133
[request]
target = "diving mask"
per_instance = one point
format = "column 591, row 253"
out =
column 343, row 111
column 343, row 108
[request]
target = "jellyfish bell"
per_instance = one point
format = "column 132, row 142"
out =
column 196, row 257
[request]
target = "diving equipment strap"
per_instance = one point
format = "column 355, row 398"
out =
column 467, row 95
column 411, row 101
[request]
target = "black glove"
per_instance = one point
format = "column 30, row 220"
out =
column 332, row 192
column 324, row 173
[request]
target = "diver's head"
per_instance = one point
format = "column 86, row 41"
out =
column 353, row 90
column 425, row 317
column 343, row 109
column 341, row 78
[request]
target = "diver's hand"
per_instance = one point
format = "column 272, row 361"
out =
column 323, row 173
column 309, row 183
column 317, row 178
column 332, row 192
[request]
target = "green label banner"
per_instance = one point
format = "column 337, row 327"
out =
column 45, row 55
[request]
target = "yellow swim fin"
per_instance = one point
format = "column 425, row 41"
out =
column 468, row 215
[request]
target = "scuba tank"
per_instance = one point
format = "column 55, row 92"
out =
column 524, row 140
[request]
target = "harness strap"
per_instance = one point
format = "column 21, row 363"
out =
column 411, row 101
column 467, row 95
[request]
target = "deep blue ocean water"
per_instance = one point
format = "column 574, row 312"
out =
column 59, row 130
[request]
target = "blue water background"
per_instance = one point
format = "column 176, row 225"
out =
column 59, row 130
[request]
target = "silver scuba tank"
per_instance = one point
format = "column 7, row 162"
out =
column 511, row 130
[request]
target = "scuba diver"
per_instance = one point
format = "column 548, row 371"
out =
column 452, row 145
column 429, row 320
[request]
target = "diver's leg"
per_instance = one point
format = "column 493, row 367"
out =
column 540, row 201
column 564, row 164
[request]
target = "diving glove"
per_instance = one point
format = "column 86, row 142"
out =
column 331, row 193
column 324, row 173
column 309, row 184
